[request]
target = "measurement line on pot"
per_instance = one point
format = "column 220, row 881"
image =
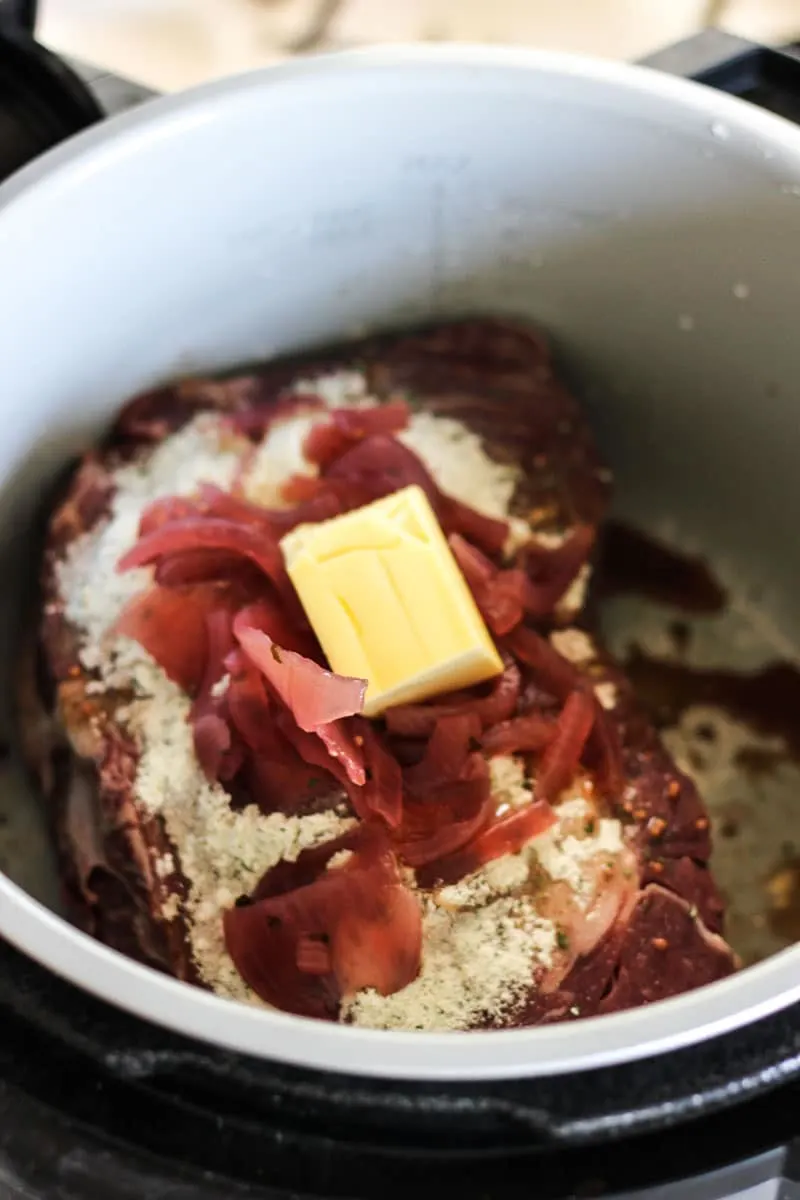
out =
column 436, row 172
column 438, row 282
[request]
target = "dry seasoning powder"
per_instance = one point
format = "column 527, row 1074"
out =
column 474, row 963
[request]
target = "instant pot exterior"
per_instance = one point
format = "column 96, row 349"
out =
column 649, row 226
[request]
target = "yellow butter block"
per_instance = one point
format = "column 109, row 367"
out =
column 388, row 602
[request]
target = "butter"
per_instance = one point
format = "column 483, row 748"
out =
column 388, row 602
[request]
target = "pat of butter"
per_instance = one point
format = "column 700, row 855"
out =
column 388, row 602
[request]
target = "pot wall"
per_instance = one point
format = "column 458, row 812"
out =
column 650, row 225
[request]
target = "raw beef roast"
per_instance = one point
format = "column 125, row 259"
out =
column 514, row 853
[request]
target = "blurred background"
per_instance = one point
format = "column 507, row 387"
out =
column 170, row 44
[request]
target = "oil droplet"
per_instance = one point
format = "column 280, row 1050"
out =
column 720, row 131
column 686, row 322
column 741, row 291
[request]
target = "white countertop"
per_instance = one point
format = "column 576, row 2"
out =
column 169, row 44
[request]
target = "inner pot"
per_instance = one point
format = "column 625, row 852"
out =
column 645, row 223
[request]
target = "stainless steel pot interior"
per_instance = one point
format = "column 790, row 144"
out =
column 648, row 224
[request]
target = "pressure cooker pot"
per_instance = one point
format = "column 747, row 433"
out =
column 646, row 225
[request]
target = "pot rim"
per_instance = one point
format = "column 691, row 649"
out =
column 592, row 1043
